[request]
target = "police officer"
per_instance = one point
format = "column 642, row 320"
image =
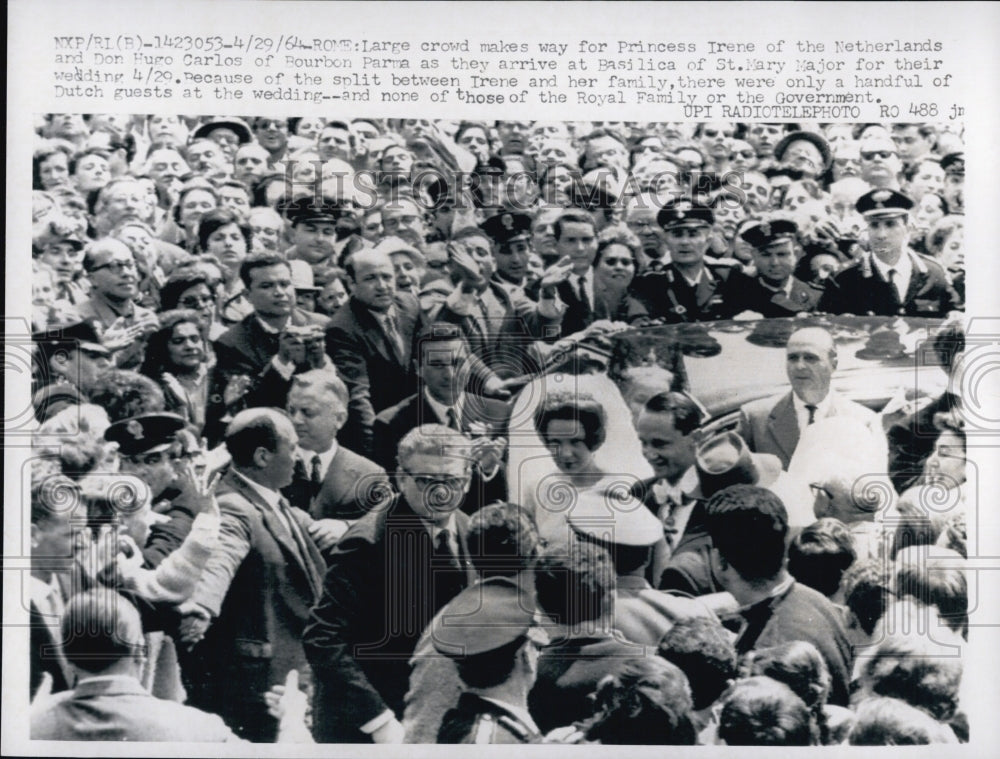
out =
column 890, row 279
column 489, row 631
column 774, row 292
column 688, row 289
column 67, row 362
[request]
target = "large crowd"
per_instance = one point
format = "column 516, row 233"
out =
column 331, row 445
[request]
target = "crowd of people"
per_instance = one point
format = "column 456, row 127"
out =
column 328, row 448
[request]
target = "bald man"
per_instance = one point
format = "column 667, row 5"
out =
column 774, row 425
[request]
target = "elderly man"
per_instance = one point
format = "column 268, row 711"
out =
column 773, row 425
column 112, row 307
column 890, row 279
column 330, row 481
column 360, row 650
column 248, row 612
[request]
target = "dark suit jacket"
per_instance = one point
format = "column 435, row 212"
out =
column 667, row 295
column 748, row 294
column 352, row 486
column 376, row 376
column 506, row 346
column 578, row 315
column 860, row 289
column 260, row 584
column 120, row 709
column 244, row 348
column 379, row 595
column 393, row 423
column 770, row 425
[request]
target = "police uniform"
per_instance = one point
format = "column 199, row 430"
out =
column 52, row 397
column 485, row 622
column 667, row 294
column 864, row 290
column 747, row 293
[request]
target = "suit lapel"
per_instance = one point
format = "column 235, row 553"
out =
column 705, row 289
column 917, row 281
column 783, row 425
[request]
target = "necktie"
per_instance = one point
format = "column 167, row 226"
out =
column 812, row 412
column 894, row 284
column 453, row 419
column 443, row 550
column 448, row 577
column 315, row 474
column 395, row 339
column 582, row 284
column 299, row 539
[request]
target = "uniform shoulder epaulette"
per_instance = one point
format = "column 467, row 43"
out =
column 515, row 727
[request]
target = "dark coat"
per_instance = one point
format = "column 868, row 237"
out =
column 392, row 425
column 352, row 486
column 749, row 294
column 376, row 375
column 379, row 595
column 860, row 289
column 801, row 613
column 476, row 720
column 667, row 295
column 260, row 584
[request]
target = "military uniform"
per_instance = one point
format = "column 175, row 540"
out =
column 864, row 289
column 478, row 720
column 667, row 295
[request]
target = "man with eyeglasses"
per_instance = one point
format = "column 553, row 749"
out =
column 889, row 279
column 443, row 369
column 272, row 135
column 360, row 650
column 112, row 306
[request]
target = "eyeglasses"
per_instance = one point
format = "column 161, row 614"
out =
column 818, row 490
column 742, row 154
column 118, row 267
column 870, row 155
column 428, row 481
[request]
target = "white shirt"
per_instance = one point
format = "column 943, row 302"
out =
column 272, row 498
column 904, row 271
column 785, row 288
column 702, row 275
column 588, row 285
column 680, row 494
column 442, row 410
column 325, row 459
column 802, row 413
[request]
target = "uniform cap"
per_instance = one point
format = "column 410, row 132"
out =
column 145, row 433
column 484, row 617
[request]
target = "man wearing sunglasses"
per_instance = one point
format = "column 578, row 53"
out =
column 386, row 579
column 880, row 164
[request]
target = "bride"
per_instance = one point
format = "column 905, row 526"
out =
column 571, row 434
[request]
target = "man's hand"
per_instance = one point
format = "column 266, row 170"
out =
column 488, row 453
column 291, row 347
column 121, row 335
column 327, row 532
column 315, row 349
column 556, row 273
column 200, row 488
column 465, row 266
column 494, row 387
column 236, row 388
column 391, row 732
column 195, row 621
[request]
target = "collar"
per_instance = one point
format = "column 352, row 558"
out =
column 110, row 683
column 268, row 329
column 703, row 276
column 271, row 497
column 822, row 408
column 683, row 491
column 903, row 267
column 778, row 591
column 442, row 410
column 434, row 530
column 520, row 712
column 325, row 457
column 786, row 288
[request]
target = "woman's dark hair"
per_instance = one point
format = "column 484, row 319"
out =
column 580, row 407
column 617, row 235
column 760, row 711
column 44, row 153
column 645, row 701
column 705, row 652
column 258, row 195
column 214, row 220
column 124, row 394
column 820, row 554
column 77, row 157
column 204, row 186
column 157, row 358
column 179, row 283
column 799, row 665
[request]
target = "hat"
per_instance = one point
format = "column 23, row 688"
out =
column 621, row 519
column 505, row 227
column 685, row 213
column 238, row 126
column 300, row 210
column 883, row 204
column 725, row 460
column 302, row 275
column 484, row 617
column 954, row 163
column 82, row 335
column 884, row 343
column 145, row 433
column 820, row 142
column 393, row 244
column 763, row 234
column 773, row 333
column 694, row 339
